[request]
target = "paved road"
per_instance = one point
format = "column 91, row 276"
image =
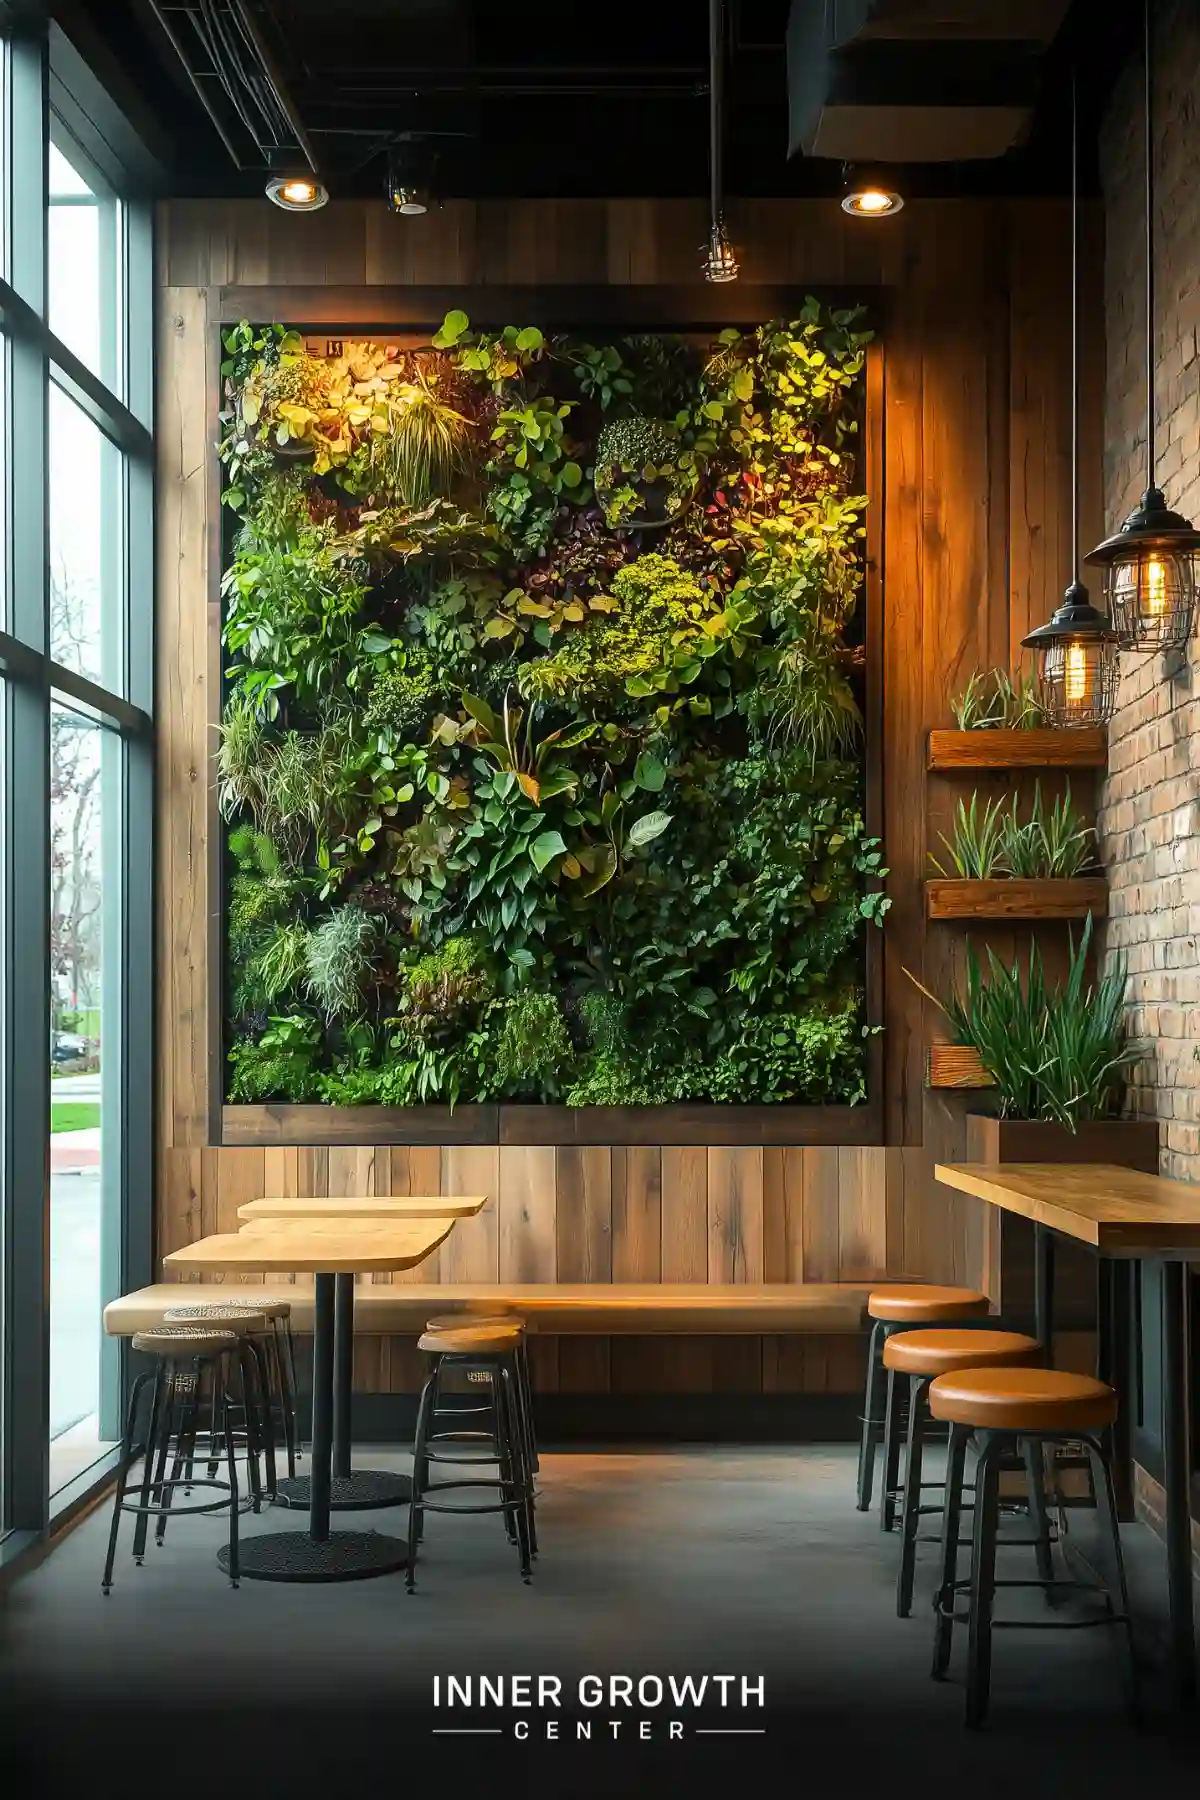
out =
column 76, row 1087
column 75, row 1324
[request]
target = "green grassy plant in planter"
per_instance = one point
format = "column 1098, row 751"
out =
column 519, row 808
column 1058, row 1052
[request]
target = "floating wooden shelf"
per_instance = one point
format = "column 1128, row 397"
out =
column 1044, row 749
column 1016, row 899
column 955, row 1066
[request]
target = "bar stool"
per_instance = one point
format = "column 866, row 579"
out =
column 1009, row 1409
column 188, row 1361
column 488, row 1354
column 916, row 1358
column 252, row 1329
column 453, row 1322
column 901, row 1308
column 281, row 1368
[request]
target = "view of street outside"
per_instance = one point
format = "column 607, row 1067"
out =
column 84, row 551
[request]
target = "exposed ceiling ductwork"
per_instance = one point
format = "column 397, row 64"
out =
column 912, row 81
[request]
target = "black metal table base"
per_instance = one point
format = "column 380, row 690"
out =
column 295, row 1556
column 359, row 1491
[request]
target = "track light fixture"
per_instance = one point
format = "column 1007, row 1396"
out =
column 868, row 193
column 297, row 192
column 719, row 262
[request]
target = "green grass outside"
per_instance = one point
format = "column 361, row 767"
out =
column 74, row 1115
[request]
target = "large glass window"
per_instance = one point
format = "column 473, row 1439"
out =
column 76, row 475
column 82, row 246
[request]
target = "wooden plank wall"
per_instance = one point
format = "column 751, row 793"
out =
column 975, row 328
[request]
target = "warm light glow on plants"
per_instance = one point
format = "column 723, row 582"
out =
column 542, row 749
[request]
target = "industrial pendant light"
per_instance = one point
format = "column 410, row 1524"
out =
column 1076, row 651
column 297, row 190
column 720, row 264
column 1150, row 564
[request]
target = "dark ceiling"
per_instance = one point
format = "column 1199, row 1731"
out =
column 548, row 99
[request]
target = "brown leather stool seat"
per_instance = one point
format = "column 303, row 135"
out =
column 468, row 1340
column 1022, row 1399
column 920, row 1304
column 468, row 1321
column 941, row 1352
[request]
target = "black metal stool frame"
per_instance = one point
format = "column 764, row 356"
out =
column 524, row 1421
column 874, row 1424
column 514, row 1477
column 174, row 1379
column 981, row 1586
column 911, row 1510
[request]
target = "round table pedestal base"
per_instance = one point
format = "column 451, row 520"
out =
column 293, row 1556
column 359, row 1491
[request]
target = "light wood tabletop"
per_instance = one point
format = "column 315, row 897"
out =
column 368, row 1206
column 391, row 1244
column 1120, row 1212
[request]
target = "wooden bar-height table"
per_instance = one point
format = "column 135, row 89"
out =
column 352, row 1490
column 1133, row 1217
column 330, row 1254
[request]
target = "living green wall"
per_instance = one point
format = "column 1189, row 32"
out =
column 542, row 745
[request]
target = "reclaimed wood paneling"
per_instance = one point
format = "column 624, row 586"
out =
column 969, row 547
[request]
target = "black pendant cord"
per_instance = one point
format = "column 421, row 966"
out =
column 1149, row 126
column 1074, row 329
column 716, row 82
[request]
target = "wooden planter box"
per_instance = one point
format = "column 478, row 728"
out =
column 1131, row 1143
column 1012, row 898
column 1008, row 1254
column 955, row 1066
column 1018, row 749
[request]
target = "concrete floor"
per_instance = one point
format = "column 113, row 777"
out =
column 745, row 1562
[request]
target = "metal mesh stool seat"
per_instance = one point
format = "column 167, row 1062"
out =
column 900, row 1308
column 486, row 1355
column 260, row 1321
column 283, row 1369
column 1020, row 1409
column 259, row 1379
column 192, row 1362
column 913, row 1359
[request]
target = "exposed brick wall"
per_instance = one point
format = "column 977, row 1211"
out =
column 1149, row 819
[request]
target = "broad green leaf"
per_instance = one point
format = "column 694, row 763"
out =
column 530, row 339
column 650, row 773
column 545, row 848
column 648, row 827
column 601, row 866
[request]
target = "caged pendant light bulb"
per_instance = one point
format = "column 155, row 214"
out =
column 1152, row 564
column 719, row 264
column 1076, row 652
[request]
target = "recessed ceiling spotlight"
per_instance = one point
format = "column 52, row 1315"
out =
column 297, row 193
column 867, row 194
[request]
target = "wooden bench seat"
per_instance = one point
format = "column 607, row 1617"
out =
column 638, row 1309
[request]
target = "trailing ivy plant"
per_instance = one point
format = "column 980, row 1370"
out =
column 542, row 745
